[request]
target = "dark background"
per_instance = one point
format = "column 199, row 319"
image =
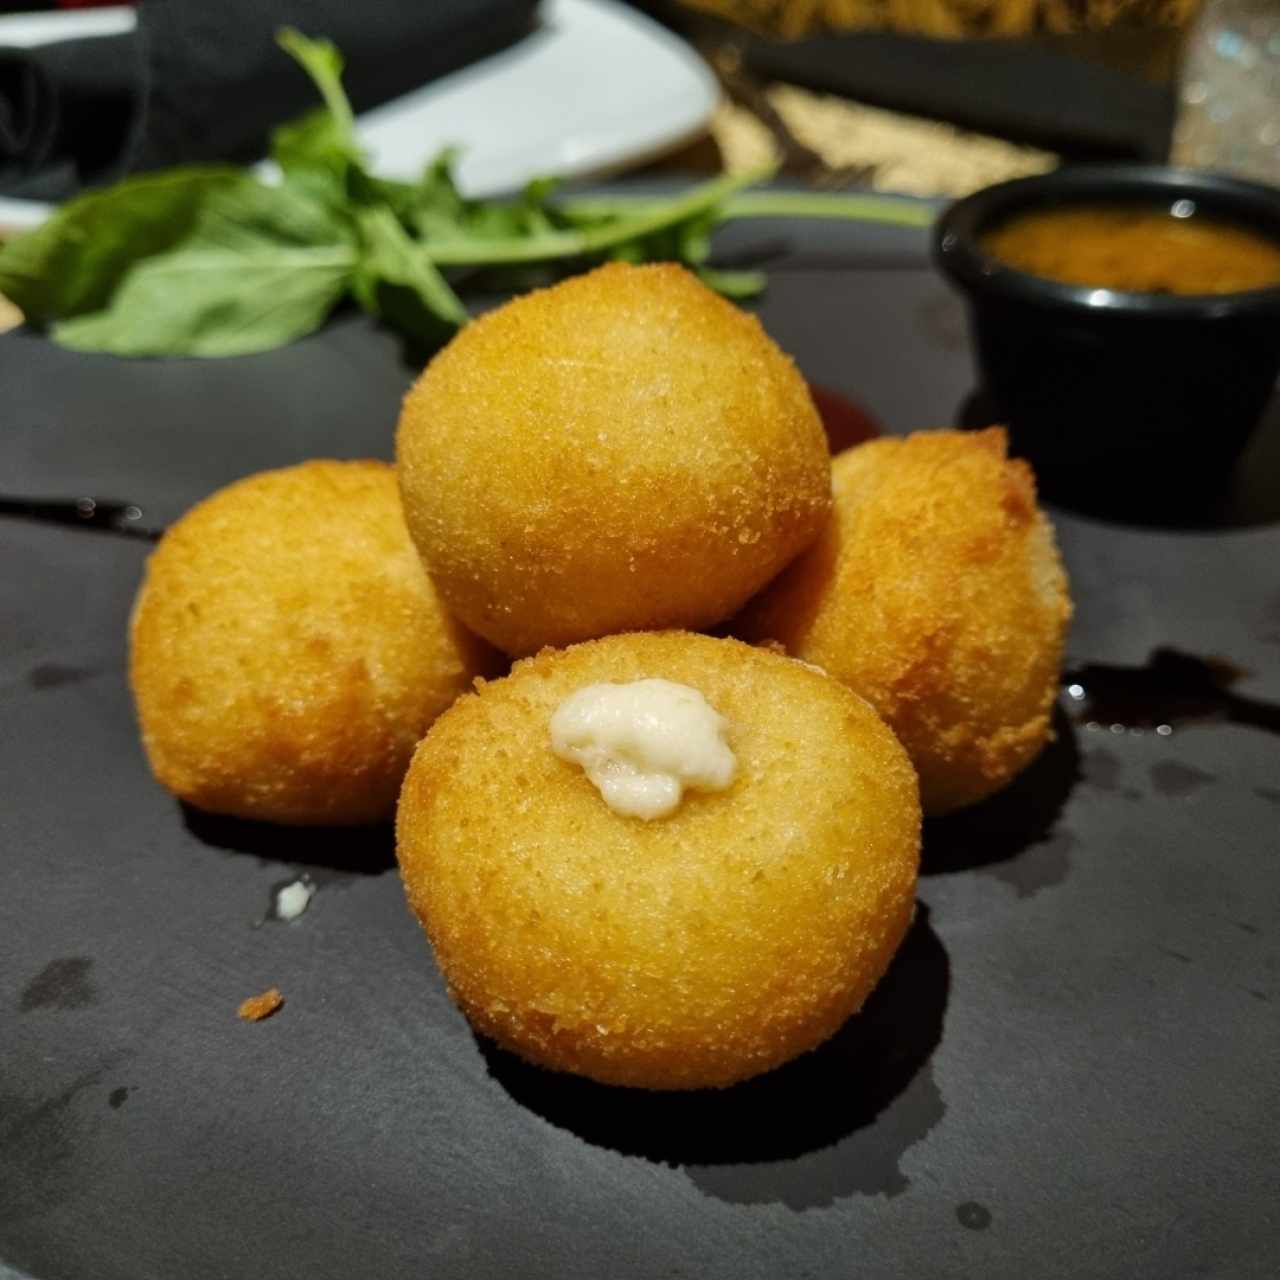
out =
column 1070, row 1071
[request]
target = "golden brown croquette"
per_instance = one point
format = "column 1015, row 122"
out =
column 624, row 451
column 692, row 950
column 288, row 650
column 937, row 593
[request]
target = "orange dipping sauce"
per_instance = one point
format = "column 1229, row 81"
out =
column 1136, row 250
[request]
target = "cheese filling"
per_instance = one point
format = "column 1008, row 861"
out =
column 643, row 743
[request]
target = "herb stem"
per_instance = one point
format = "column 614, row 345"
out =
column 807, row 204
column 323, row 64
column 892, row 210
column 642, row 220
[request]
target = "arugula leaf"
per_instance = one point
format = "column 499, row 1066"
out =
column 318, row 154
column 392, row 277
column 435, row 205
column 612, row 236
column 396, row 279
column 311, row 142
column 321, row 61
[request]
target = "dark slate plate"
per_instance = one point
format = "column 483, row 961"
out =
column 1071, row 1069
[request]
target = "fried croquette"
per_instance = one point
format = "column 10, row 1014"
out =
column 686, row 951
column 936, row 593
column 288, row 650
column 624, row 451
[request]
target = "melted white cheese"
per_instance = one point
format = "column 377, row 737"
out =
column 643, row 743
column 293, row 899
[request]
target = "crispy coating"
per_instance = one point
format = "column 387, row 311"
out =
column 288, row 650
column 937, row 593
column 691, row 951
column 255, row 1008
column 624, row 451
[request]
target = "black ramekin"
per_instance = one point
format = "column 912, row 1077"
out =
column 1120, row 400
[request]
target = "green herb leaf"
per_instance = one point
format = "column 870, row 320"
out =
column 314, row 141
column 633, row 234
column 257, row 267
column 396, row 280
column 74, row 262
column 209, row 261
column 900, row 211
column 737, row 285
column 215, row 302
column 318, row 153
column 436, row 207
column 321, row 60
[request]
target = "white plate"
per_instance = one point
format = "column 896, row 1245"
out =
column 25, row 30
column 596, row 87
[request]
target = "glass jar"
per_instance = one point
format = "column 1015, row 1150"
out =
column 1229, row 96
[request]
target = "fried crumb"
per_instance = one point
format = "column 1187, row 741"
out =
column 255, row 1008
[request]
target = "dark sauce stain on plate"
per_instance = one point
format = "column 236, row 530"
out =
column 845, row 423
column 1171, row 690
column 831, row 1124
column 1040, row 867
column 61, row 984
column 1173, row 778
column 40, row 1138
column 1102, row 769
column 96, row 514
column 974, row 1216
column 53, row 675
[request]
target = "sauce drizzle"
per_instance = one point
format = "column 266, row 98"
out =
column 1171, row 690
column 125, row 518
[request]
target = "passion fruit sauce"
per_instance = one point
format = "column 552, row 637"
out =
column 1136, row 249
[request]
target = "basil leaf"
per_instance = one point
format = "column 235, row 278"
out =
column 215, row 302
column 258, row 267
column 74, row 261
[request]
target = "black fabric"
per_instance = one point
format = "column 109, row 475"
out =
column 199, row 81
column 67, row 113
column 1014, row 88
